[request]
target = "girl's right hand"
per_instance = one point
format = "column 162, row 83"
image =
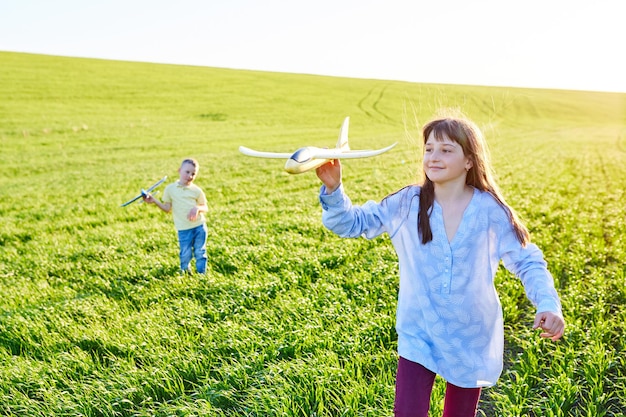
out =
column 330, row 175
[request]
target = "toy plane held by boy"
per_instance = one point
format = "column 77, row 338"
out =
column 311, row 157
column 144, row 193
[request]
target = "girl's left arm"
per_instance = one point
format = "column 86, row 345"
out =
column 528, row 264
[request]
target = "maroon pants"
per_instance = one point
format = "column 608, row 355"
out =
column 414, row 384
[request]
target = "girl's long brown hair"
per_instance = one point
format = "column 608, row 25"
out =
column 480, row 176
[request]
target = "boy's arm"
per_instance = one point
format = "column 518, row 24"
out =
column 196, row 211
column 150, row 199
column 201, row 207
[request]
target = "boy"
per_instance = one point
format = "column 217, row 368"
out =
column 188, row 204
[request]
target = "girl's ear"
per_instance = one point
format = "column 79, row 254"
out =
column 469, row 164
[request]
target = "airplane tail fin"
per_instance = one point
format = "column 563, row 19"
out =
column 342, row 143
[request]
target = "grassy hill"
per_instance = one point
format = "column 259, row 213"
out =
column 290, row 320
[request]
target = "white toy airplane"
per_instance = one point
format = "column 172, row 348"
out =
column 310, row 157
column 144, row 193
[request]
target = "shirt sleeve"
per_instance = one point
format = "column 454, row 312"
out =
column 347, row 220
column 167, row 196
column 528, row 264
column 201, row 198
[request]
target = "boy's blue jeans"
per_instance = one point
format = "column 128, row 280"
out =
column 193, row 242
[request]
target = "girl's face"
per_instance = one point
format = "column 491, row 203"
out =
column 444, row 161
column 187, row 174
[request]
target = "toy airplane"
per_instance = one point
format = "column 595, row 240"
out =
column 310, row 157
column 144, row 193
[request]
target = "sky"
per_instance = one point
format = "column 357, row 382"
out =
column 562, row 44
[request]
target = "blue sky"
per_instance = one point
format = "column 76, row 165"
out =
column 569, row 44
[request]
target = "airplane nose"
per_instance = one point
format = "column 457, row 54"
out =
column 299, row 161
column 292, row 166
column 301, row 155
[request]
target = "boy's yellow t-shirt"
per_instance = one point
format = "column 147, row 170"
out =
column 183, row 199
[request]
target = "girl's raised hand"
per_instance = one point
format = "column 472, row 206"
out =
column 551, row 323
column 330, row 175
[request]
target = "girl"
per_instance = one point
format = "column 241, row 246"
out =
column 450, row 235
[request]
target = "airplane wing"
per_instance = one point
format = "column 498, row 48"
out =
column 353, row 154
column 143, row 192
column 132, row 200
column 156, row 184
column 259, row 154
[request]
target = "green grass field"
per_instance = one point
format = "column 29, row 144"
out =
column 290, row 320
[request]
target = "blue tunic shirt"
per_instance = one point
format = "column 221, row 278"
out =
column 449, row 317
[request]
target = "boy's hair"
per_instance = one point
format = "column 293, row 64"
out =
column 190, row 161
column 480, row 176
